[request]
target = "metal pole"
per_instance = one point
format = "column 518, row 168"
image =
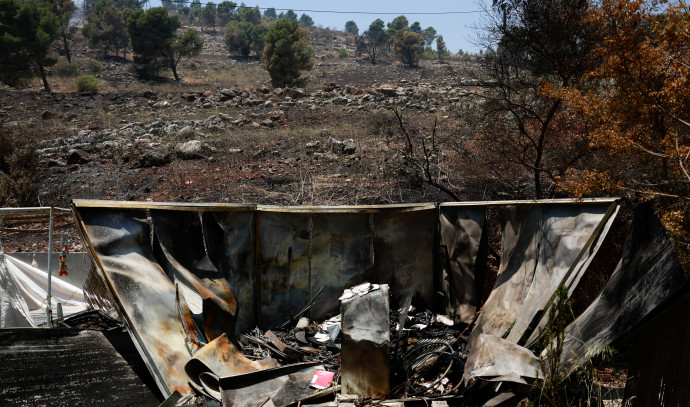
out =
column 49, row 309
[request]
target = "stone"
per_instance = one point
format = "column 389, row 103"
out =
column 75, row 156
column 153, row 155
column 46, row 115
column 186, row 132
column 349, row 147
column 191, row 150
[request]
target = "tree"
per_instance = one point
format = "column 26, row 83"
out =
column 374, row 38
column 154, row 41
column 291, row 15
column 408, row 46
column 169, row 5
column 243, row 37
column 306, row 21
column 525, row 132
column 416, row 27
column 636, row 100
column 208, row 15
column 351, row 27
column 398, row 23
column 107, row 28
column 64, row 9
column 27, row 29
column 270, row 14
column 236, row 37
column 249, row 14
column 429, row 35
column 224, row 12
column 286, row 53
column 441, row 49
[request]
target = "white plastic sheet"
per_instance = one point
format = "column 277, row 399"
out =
column 32, row 284
column 14, row 312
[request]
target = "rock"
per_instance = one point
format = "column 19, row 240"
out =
column 161, row 105
column 235, row 151
column 267, row 123
column 349, row 147
column 186, row 132
column 334, row 146
column 224, row 117
column 191, row 150
column 77, row 157
column 46, row 115
column 150, row 95
column 311, row 148
column 153, row 155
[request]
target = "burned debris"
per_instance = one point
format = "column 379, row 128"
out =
column 246, row 305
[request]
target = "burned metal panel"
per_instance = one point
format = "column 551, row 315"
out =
column 230, row 244
column 659, row 358
column 461, row 232
column 519, row 251
column 119, row 240
column 365, row 368
column 341, row 257
column 69, row 367
column 404, row 252
column 543, row 246
column 570, row 237
column 284, row 253
column 493, row 357
column 282, row 385
column 187, row 263
column 648, row 274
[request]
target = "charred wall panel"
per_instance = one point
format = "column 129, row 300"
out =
column 284, row 265
column 230, row 242
column 404, row 252
column 120, row 240
column 341, row 258
column 463, row 249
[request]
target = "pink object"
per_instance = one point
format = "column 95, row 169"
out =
column 322, row 379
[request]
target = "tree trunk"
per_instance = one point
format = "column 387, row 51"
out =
column 43, row 76
column 66, row 46
column 173, row 65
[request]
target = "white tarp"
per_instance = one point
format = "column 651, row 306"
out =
column 13, row 309
column 32, row 284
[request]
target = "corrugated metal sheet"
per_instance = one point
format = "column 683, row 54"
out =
column 73, row 367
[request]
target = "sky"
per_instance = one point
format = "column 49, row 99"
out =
column 457, row 28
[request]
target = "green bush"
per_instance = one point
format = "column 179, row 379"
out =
column 287, row 53
column 86, row 83
column 66, row 69
column 342, row 53
column 94, row 66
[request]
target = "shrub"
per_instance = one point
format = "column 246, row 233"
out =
column 94, row 66
column 66, row 69
column 86, row 83
column 18, row 165
column 342, row 53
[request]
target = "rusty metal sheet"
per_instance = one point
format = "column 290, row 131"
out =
column 365, row 368
column 120, row 242
column 221, row 358
column 494, row 357
column 282, row 385
column 648, row 274
column 463, row 250
column 543, row 246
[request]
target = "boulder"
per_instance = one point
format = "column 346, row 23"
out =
column 191, row 150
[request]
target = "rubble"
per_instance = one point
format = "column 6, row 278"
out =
column 269, row 306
